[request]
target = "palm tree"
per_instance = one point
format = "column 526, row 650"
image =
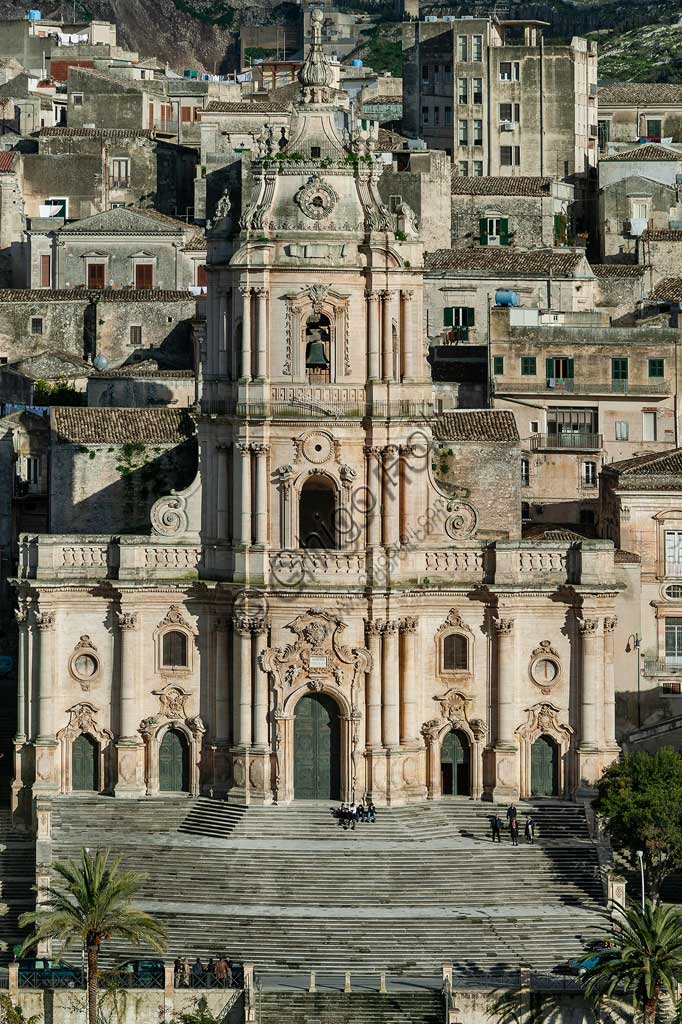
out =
column 91, row 901
column 644, row 961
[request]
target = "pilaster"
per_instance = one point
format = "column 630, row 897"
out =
column 129, row 748
column 506, row 757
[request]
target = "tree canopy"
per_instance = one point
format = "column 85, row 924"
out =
column 640, row 802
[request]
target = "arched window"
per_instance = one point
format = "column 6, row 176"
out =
column 455, row 652
column 317, row 513
column 317, row 349
column 174, row 648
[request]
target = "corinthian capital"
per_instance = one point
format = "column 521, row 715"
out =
column 45, row 620
column 504, row 627
column 126, row 620
column 588, row 627
column 610, row 624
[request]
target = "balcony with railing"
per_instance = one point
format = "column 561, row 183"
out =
column 581, row 386
column 566, row 441
column 670, row 665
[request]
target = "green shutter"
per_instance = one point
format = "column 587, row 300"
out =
column 447, row 316
column 504, row 231
column 569, row 369
column 549, row 367
column 470, row 316
column 483, row 230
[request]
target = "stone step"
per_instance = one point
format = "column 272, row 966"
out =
column 349, row 1008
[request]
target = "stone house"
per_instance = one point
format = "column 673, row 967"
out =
column 619, row 288
column 119, row 248
column 81, row 171
column 629, row 111
column 24, row 106
column 523, row 212
column 52, row 366
column 639, row 191
column 584, row 394
column 420, row 178
column 641, row 510
column 12, row 247
column 460, row 286
column 498, row 99
column 141, row 385
column 108, row 466
column 35, row 44
column 121, row 325
column 660, row 253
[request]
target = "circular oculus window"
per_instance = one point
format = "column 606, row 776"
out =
column 545, row 671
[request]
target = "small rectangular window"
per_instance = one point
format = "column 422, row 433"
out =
column 654, row 128
column 202, row 278
column 477, row 90
column 425, row 73
column 448, row 116
column 498, row 365
column 619, row 369
column 463, row 133
column 95, row 275
column 36, row 325
column 462, row 48
column 46, row 272
column 136, row 334
column 656, row 367
column 517, row 156
column 77, row 99
column 462, row 90
column 436, row 117
column 436, row 73
column 478, row 133
column 478, row 168
column 506, row 156
column 144, row 275
column 590, row 474
column 506, row 112
column 33, row 469
column 447, row 72
column 528, row 366
column 673, row 553
column 622, row 430
column 535, row 426
column 185, row 114
column 505, row 71
column 120, row 172
column 477, row 48
column 425, row 116
column 463, row 168
column 458, row 316
column 525, row 472
column 649, row 426
column 394, row 202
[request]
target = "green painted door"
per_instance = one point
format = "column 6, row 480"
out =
column 174, row 763
column 544, row 767
column 317, row 774
column 84, row 767
column 455, row 763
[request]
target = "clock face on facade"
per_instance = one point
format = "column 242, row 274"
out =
column 316, row 199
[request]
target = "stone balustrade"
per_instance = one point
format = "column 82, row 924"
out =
column 62, row 556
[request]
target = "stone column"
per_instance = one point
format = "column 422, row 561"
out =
column 388, row 370
column 590, row 682
column 261, row 453
column 262, row 350
column 243, row 479
column 129, row 748
column 391, row 482
column 409, row 669
column 246, row 333
column 407, row 334
column 223, row 528
column 22, row 661
column 260, row 688
column 390, row 722
column 241, row 674
column 373, row 733
column 372, row 335
column 45, row 656
column 506, row 674
column 373, row 456
column 609, row 686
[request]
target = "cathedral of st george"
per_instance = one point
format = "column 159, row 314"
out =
column 341, row 605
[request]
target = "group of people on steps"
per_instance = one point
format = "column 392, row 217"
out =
column 496, row 825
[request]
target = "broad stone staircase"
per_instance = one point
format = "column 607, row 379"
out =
column 289, row 890
column 349, row 1008
column 17, row 878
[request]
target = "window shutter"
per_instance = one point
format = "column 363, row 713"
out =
column 470, row 316
column 483, row 230
column 549, row 367
column 504, row 231
column 569, row 369
column 447, row 316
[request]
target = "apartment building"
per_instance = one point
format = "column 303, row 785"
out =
column 499, row 100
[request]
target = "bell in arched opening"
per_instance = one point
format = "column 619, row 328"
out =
column 317, row 363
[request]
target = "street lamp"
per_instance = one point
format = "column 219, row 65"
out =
column 640, row 857
column 635, row 646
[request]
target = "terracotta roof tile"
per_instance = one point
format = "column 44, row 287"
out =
column 519, row 186
column 95, row 133
column 626, row 556
column 655, row 464
column 85, row 294
column 197, row 243
column 391, row 142
column 144, row 372
column 246, row 107
column 639, row 92
column 121, row 426
column 647, row 151
column 476, row 425
column 43, row 295
column 668, row 290
column 7, row 162
column 494, row 259
column 663, row 235
column 617, row 269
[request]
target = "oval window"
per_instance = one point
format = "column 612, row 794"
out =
column 85, row 666
column 674, row 592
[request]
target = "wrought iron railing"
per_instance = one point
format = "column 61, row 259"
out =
column 569, row 439
column 208, row 980
column 51, row 979
column 146, row 979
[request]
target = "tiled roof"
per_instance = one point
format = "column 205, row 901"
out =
column 125, row 220
column 655, row 464
column 85, row 294
column 476, row 425
column 246, row 107
column 637, row 93
column 663, row 235
column 7, row 162
column 494, row 259
column 668, row 290
column 370, row 101
column 95, row 133
column 121, row 426
column 145, row 372
column 626, row 556
column 197, row 243
column 647, row 151
column 617, row 269
column 390, row 142
column 521, row 186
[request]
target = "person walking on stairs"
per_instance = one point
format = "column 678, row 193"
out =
column 496, row 825
column 529, row 830
column 514, row 831
column 511, row 814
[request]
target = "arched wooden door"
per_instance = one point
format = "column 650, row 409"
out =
column 174, row 763
column 317, row 749
column 455, row 764
column 544, row 767
column 84, row 764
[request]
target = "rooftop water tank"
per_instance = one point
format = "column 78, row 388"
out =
column 34, row 15
column 100, row 362
column 356, row 63
column 506, row 297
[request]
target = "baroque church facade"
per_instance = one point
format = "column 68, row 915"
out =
column 341, row 604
